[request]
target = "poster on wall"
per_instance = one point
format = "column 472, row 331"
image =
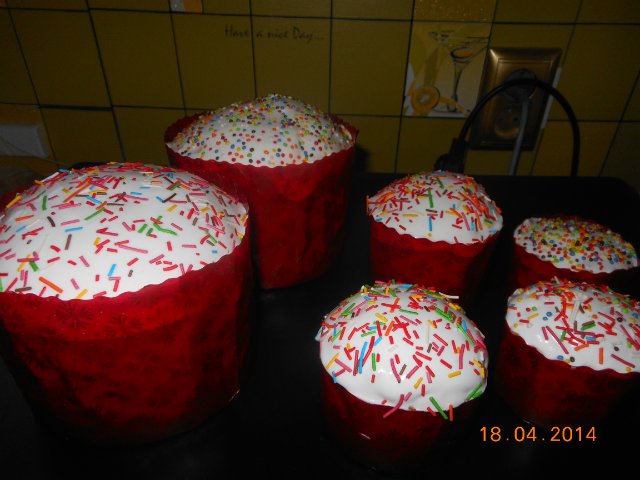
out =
column 445, row 68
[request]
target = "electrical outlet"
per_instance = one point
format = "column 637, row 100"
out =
column 497, row 125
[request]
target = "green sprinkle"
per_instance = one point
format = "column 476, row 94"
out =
column 338, row 333
column 440, row 411
column 347, row 311
column 588, row 325
column 34, row 266
column 443, row 314
column 142, row 228
column 94, row 213
column 44, row 203
column 411, row 312
column 466, row 334
column 166, row 230
column 373, row 361
column 474, row 393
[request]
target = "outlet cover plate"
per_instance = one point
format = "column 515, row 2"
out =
column 497, row 125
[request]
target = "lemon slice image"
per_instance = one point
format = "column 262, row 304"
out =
column 424, row 98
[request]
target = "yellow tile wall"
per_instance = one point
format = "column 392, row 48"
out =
column 104, row 78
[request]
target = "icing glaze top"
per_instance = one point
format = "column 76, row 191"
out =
column 103, row 231
column 439, row 206
column 406, row 347
column 575, row 243
column 578, row 323
column 269, row 131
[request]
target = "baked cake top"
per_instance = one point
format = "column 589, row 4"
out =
column 439, row 206
column 575, row 243
column 578, row 323
column 269, row 131
column 114, row 228
column 406, row 347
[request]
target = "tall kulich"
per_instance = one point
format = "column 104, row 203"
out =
column 293, row 162
column 124, row 300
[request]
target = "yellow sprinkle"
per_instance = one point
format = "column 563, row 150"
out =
column 382, row 317
column 21, row 266
column 172, row 208
column 81, row 294
column 532, row 316
column 15, row 199
column 96, row 241
column 417, row 384
column 454, row 374
column 483, row 372
column 328, row 365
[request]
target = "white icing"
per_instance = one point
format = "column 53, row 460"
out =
column 578, row 323
column 112, row 229
column 439, row 206
column 437, row 352
column 575, row 243
column 270, row 131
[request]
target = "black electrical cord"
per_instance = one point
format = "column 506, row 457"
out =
column 454, row 160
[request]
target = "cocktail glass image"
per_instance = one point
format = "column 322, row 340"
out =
column 462, row 49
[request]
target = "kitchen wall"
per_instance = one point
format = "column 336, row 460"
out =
column 106, row 77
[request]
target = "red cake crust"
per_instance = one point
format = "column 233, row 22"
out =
column 551, row 393
column 138, row 367
column 453, row 269
column 401, row 441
